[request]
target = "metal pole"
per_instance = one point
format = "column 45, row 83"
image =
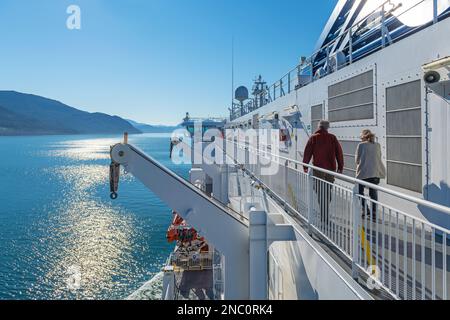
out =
column 356, row 215
column 328, row 60
column 383, row 32
column 258, row 255
column 168, row 283
column 350, row 49
column 435, row 11
column 232, row 70
column 289, row 82
column 310, row 200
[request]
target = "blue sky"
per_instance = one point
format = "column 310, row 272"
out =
column 153, row 60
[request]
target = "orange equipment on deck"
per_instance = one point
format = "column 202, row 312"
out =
column 186, row 236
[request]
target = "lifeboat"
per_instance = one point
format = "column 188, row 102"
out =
column 185, row 236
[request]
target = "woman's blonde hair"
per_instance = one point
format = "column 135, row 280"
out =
column 367, row 135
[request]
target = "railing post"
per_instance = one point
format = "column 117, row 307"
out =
column 169, row 283
column 383, row 30
column 328, row 60
column 310, row 200
column 235, row 149
column 435, row 11
column 247, row 157
column 289, row 82
column 350, row 45
column 258, row 250
column 355, row 240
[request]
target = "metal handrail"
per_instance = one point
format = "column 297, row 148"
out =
column 368, row 245
column 309, row 61
column 201, row 119
column 345, row 33
column 340, row 176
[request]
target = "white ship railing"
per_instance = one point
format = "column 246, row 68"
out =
column 399, row 252
column 303, row 74
column 193, row 261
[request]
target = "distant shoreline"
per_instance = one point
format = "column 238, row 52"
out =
column 80, row 134
column 24, row 114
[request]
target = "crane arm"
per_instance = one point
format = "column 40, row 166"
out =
column 227, row 230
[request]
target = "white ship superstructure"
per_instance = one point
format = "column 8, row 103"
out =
column 379, row 65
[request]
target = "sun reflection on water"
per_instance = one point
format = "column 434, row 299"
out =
column 57, row 220
column 90, row 149
column 93, row 238
column 84, row 232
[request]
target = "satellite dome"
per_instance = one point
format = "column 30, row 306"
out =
column 241, row 94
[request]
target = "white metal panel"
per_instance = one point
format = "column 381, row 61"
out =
column 438, row 182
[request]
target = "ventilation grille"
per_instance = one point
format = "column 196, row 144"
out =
column 316, row 116
column 404, row 136
column 352, row 99
column 349, row 150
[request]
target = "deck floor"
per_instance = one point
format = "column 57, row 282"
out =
column 195, row 285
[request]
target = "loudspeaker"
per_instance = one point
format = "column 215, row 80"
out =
column 431, row 77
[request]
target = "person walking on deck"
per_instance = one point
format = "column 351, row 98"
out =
column 325, row 151
column 369, row 168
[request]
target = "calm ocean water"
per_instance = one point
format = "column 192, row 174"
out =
column 56, row 217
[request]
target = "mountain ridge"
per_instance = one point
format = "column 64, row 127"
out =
column 148, row 128
column 29, row 114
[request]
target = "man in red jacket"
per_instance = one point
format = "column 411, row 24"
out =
column 325, row 151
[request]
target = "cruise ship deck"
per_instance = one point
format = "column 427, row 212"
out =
column 281, row 232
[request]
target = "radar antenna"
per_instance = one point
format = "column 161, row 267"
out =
column 259, row 87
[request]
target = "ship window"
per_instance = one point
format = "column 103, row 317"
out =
column 404, row 136
column 349, row 150
column 352, row 99
column 316, row 116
